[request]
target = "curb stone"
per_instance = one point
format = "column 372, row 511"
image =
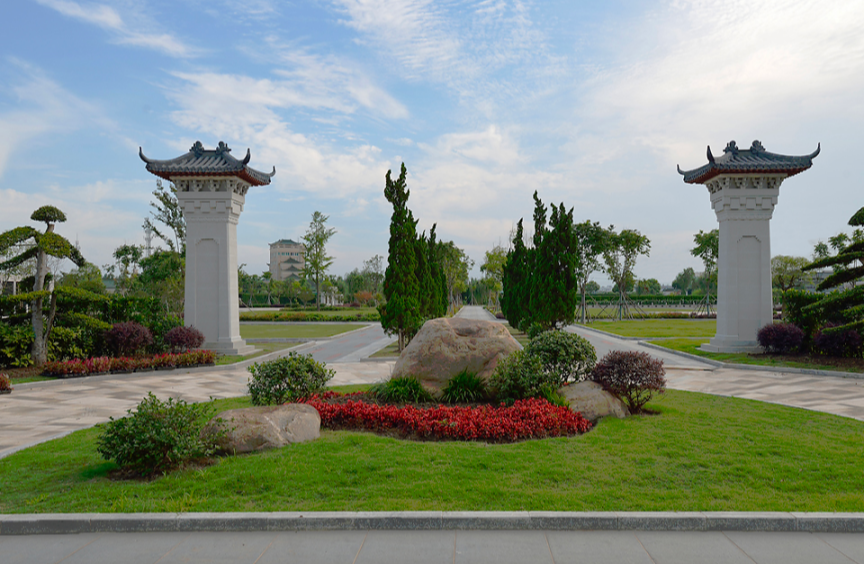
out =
column 75, row 523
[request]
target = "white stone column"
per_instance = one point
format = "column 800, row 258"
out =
column 744, row 205
column 212, row 208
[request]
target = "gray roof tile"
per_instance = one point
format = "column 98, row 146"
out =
column 753, row 160
column 202, row 162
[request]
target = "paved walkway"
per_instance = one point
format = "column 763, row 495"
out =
column 438, row 547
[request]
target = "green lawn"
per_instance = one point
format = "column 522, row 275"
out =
column 352, row 311
column 692, row 346
column 263, row 348
column 647, row 328
column 294, row 331
column 701, row 453
column 391, row 350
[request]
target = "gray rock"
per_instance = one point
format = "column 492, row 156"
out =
column 446, row 346
column 592, row 401
column 259, row 428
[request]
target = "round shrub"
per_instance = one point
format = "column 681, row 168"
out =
column 465, row 387
column 565, row 356
column 781, row 338
column 288, row 378
column 407, row 389
column 184, row 338
column 520, row 376
column 846, row 343
column 127, row 338
column 533, row 330
column 631, row 376
column 158, row 436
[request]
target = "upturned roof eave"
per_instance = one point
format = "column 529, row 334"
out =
column 699, row 176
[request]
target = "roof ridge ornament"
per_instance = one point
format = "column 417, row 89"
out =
column 710, row 156
column 757, row 147
column 731, row 147
column 197, row 149
column 223, row 148
column 248, row 156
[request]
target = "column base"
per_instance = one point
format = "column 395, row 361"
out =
column 234, row 347
column 730, row 345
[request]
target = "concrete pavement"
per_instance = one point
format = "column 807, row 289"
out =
column 438, row 547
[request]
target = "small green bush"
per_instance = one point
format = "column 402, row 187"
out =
column 565, row 356
column 287, row 378
column 520, row 376
column 534, row 330
column 551, row 395
column 465, row 387
column 406, row 389
column 158, row 436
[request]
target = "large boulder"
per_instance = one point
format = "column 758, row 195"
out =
column 270, row 426
column 444, row 347
column 592, row 401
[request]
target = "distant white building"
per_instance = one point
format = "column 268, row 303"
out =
column 287, row 260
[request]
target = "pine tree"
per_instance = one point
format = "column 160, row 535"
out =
column 401, row 312
column 47, row 243
column 847, row 304
column 555, row 275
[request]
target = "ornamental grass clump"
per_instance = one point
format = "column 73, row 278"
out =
column 780, row 338
column 406, row 389
column 158, row 436
column 465, row 387
column 632, row 376
column 565, row 356
column 288, row 378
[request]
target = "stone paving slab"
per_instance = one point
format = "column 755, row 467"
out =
column 438, row 547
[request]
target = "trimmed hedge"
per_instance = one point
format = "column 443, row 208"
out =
column 780, row 338
column 101, row 365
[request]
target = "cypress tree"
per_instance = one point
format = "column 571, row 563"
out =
column 535, row 285
column 514, row 304
column 438, row 278
column 401, row 312
column 556, row 271
column 424, row 277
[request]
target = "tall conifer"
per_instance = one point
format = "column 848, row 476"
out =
column 401, row 312
column 438, row 278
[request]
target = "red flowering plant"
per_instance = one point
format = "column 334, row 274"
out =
column 525, row 419
column 5, row 383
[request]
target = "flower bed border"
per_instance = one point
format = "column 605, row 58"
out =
column 78, row 368
column 524, row 420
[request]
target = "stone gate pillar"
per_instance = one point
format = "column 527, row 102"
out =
column 744, row 186
column 211, row 190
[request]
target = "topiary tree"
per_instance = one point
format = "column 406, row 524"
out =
column 47, row 243
column 847, row 304
column 565, row 356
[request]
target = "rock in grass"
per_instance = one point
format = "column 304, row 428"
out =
column 444, row 347
column 592, row 401
column 259, row 428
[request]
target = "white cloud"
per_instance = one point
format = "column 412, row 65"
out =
column 42, row 106
column 108, row 19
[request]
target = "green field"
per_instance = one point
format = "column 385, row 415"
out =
column 700, row 453
column 654, row 328
column 295, row 331
column 692, row 346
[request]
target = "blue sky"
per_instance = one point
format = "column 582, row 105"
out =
column 590, row 103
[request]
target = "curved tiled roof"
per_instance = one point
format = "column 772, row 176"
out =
column 753, row 160
column 202, row 162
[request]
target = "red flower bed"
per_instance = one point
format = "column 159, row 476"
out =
column 102, row 364
column 525, row 419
